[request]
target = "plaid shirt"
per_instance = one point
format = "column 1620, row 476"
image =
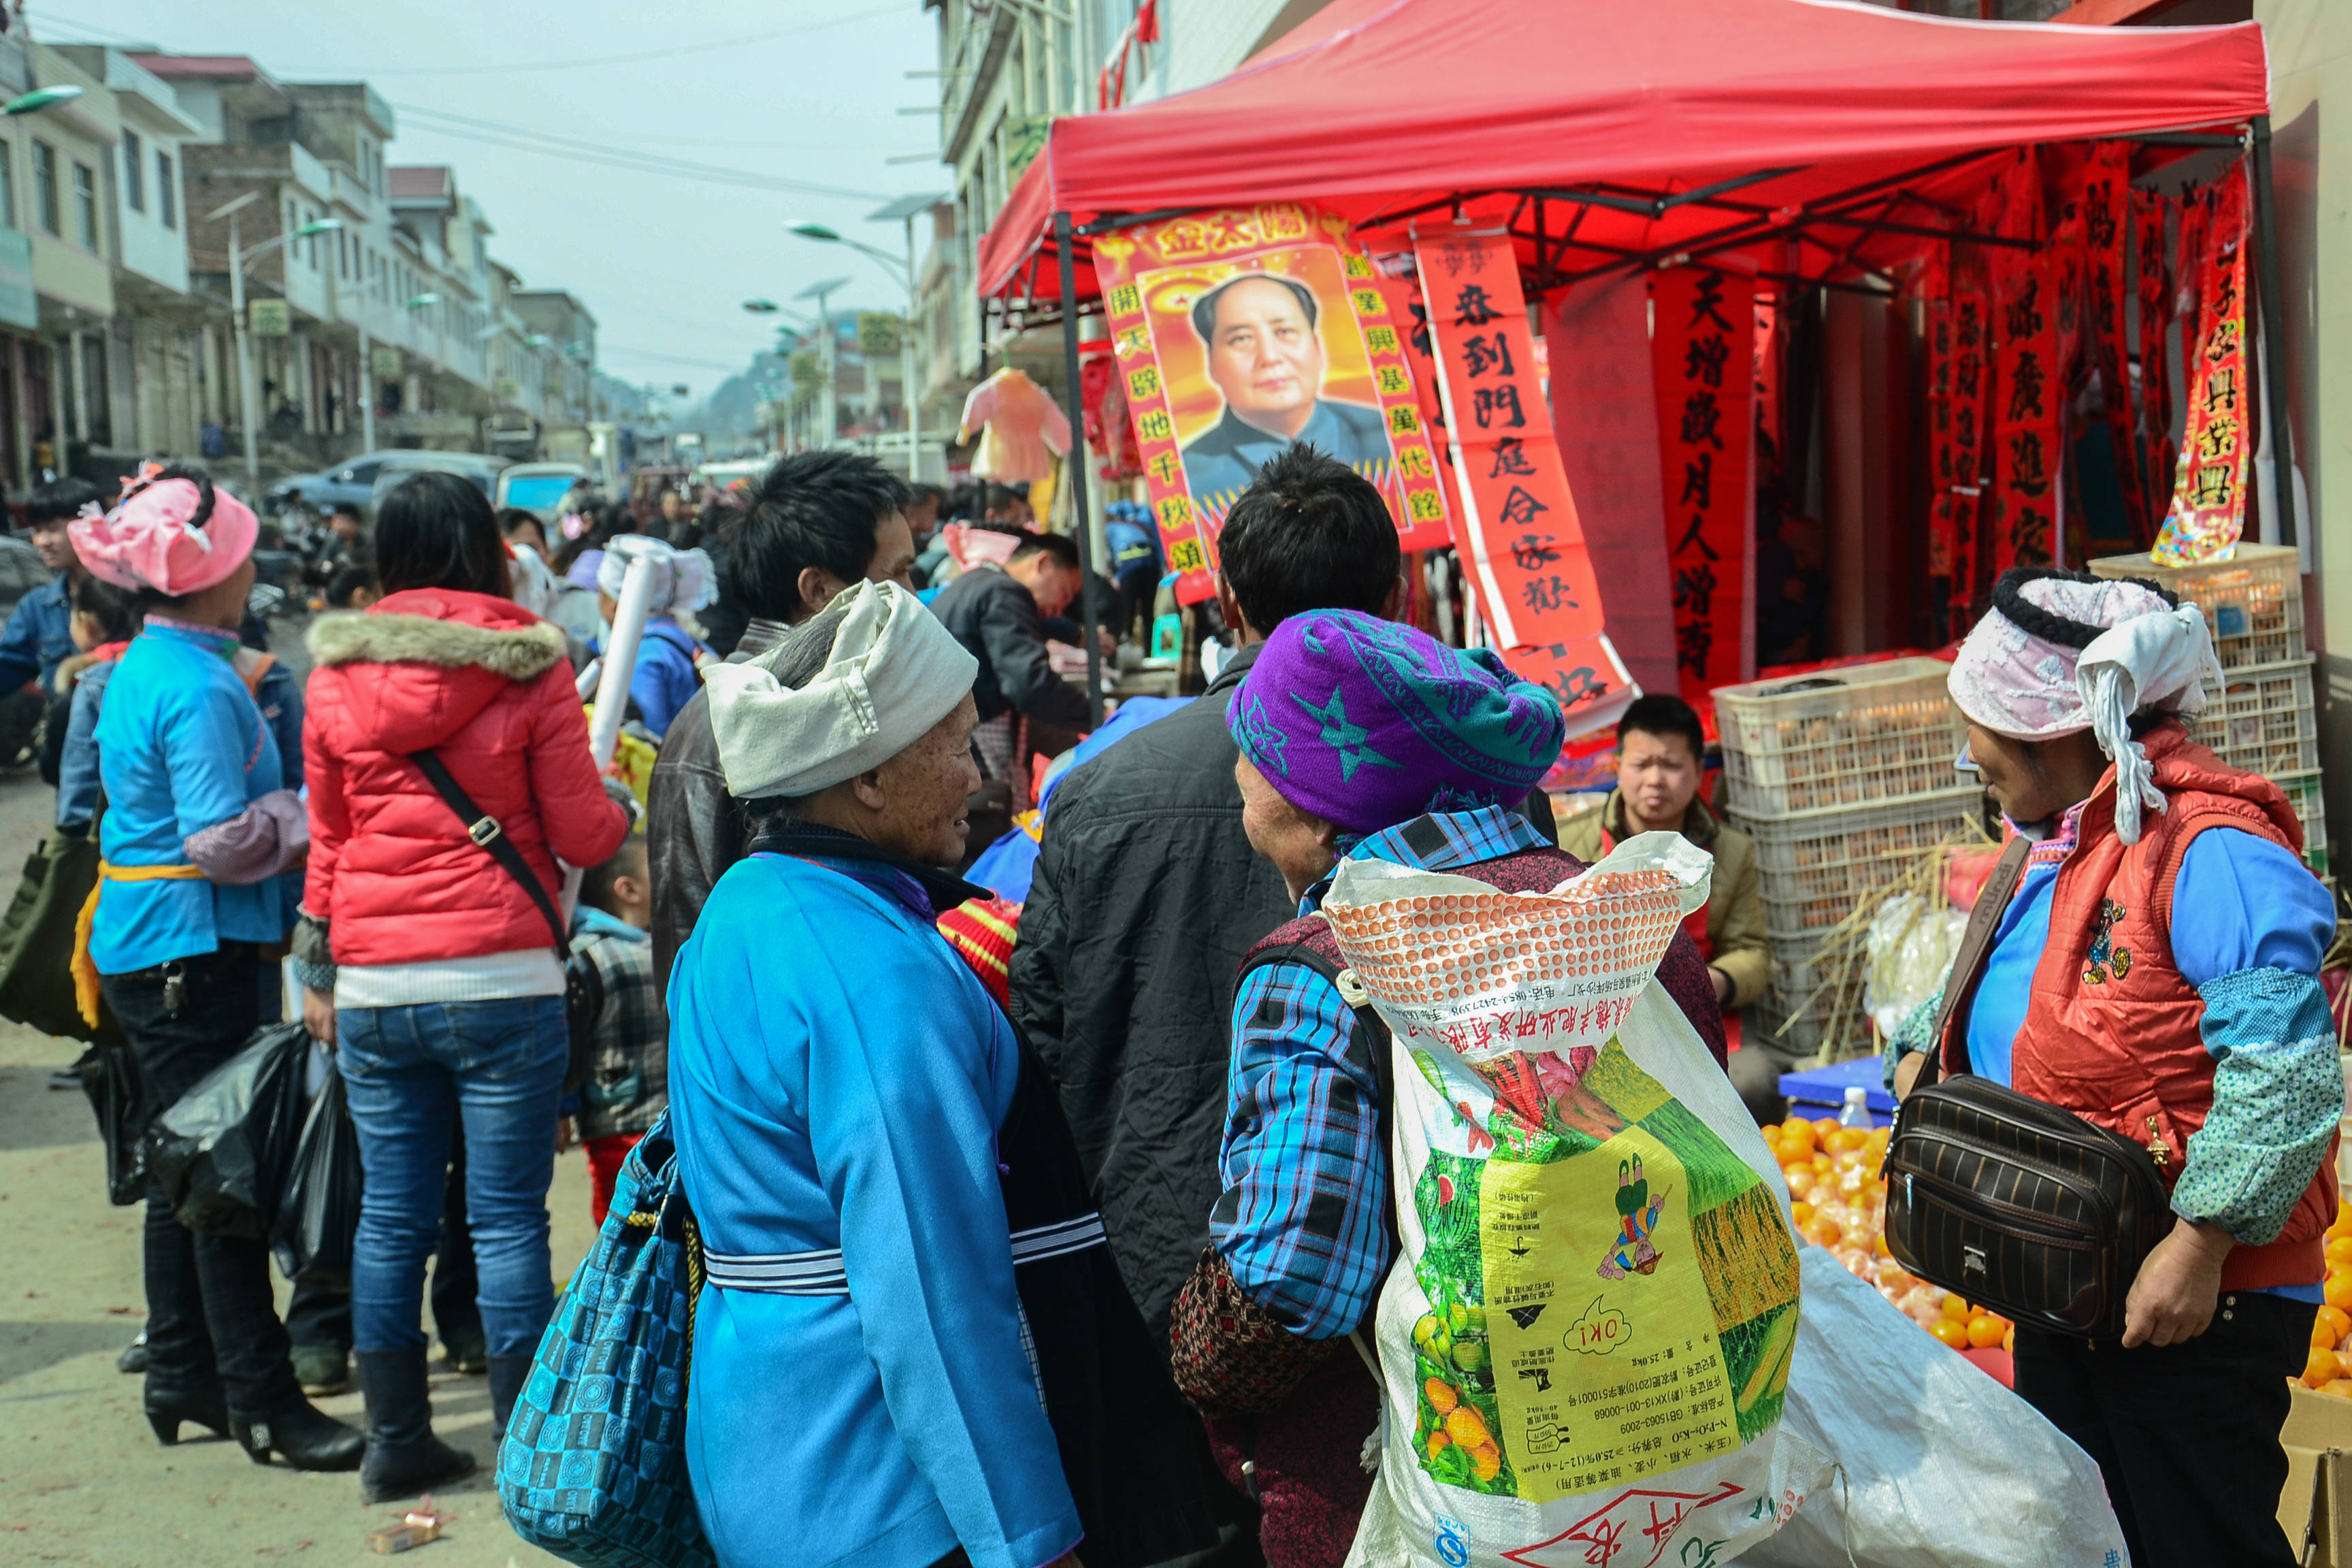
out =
column 1303, row 1160
column 622, row 1065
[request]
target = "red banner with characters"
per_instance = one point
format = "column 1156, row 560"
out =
column 1240, row 333
column 2208, row 488
column 2106, row 210
column 1517, row 532
column 2152, row 284
column 2029, row 383
column 1702, row 346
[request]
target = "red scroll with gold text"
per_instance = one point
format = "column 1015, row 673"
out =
column 2209, row 487
column 1701, row 344
column 1242, row 332
column 1518, row 532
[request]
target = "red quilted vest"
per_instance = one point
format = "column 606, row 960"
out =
column 1682, row 972
column 2111, row 1028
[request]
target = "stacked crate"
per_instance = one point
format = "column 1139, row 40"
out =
column 1844, row 780
column 2261, row 717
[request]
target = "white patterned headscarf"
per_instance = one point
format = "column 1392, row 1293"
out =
column 2060, row 652
column 682, row 579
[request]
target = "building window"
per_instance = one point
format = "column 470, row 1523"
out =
column 134, row 172
column 8, row 183
column 167, row 192
column 86, row 205
column 45, row 188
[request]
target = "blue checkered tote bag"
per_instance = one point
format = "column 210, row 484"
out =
column 593, row 1465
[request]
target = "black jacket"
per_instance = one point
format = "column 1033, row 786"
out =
column 1146, row 898
column 996, row 619
column 694, row 828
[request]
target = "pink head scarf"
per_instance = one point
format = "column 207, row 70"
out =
column 2059, row 653
column 171, row 536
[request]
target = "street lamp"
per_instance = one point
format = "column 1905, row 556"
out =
column 906, row 208
column 818, row 292
column 39, row 98
column 761, row 307
column 247, row 410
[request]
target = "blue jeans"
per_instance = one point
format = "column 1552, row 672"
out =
column 407, row 1071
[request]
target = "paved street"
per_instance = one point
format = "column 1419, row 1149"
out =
column 82, row 1478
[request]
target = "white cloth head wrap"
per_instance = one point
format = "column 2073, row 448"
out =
column 682, row 579
column 2135, row 652
column 894, row 672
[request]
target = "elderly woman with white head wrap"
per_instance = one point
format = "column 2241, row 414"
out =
column 837, row 1077
column 664, row 679
column 2154, row 973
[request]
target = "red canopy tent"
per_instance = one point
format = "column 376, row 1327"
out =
column 1822, row 135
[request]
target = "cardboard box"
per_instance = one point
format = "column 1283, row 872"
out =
column 2316, row 1508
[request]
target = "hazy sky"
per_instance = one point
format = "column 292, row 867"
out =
column 795, row 90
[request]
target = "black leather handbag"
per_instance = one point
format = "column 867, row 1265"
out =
column 2015, row 1203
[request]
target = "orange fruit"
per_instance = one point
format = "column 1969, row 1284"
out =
column 1802, row 1213
column 1827, row 1233
column 1824, row 1125
column 2339, row 1251
column 1797, row 1134
column 2341, row 1388
column 2322, row 1337
column 1441, row 1395
column 1879, row 1242
column 1956, row 1307
column 1950, row 1332
column 2342, row 1224
column 2320, row 1369
column 2009, row 1340
column 2339, row 1292
column 1463, row 1425
column 1772, row 1131
column 1986, row 1331
column 2338, row 1322
column 1802, row 1181
column 1823, row 1164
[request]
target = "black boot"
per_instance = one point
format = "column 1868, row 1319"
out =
column 403, row 1458
column 507, row 1376
column 167, row 1407
column 305, row 1436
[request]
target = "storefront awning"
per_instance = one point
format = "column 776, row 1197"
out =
column 1637, row 128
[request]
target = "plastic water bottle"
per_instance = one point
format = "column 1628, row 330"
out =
column 1857, row 1109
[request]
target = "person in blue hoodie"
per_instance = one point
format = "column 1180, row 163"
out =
column 863, row 1392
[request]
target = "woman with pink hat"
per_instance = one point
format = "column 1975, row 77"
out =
column 198, row 835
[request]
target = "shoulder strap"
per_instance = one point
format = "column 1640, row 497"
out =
column 485, row 831
column 1975, row 949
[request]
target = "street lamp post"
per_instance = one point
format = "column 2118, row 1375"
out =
column 830, row 415
column 247, row 407
column 906, row 208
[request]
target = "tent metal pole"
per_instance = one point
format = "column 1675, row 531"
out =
column 1074, row 472
column 2268, row 301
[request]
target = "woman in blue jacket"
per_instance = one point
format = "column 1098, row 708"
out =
column 197, row 838
column 862, row 1393
column 663, row 679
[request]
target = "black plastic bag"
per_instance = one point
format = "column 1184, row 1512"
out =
column 118, row 1093
column 223, row 1152
column 319, row 1207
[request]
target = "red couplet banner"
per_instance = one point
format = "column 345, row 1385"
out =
column 1518, row 530
column 1702, row 346
column 2208, row 488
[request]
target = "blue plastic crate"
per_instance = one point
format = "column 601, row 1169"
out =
column 1817, row 1092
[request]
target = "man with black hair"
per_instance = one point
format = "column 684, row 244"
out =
column 1661, row 753
column 1147, row 892
column 39, row 634
column 1266, row 357
column 818, row 524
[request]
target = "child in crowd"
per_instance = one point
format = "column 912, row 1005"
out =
column 102, row 625
column 352, row 587
column 619, row 1080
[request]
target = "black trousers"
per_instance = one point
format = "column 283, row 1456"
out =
column 2187, row 1436
column 317, row 1316
column 209, row 1312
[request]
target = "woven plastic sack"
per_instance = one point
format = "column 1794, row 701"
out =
column 1940, row 1465
column 1585, row 1344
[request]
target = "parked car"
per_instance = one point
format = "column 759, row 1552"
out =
column 355, row 481
column 398, row 465
column 538, row 487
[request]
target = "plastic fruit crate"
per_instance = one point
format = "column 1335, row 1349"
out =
column 1822, row 990
column 1863, row 736
column 2252, row 602
column 1815, row 868
column 2302, row 794
column 2261, row 719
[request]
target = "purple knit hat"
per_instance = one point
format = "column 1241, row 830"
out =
column 1366, row 723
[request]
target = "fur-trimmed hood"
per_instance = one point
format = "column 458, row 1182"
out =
column 353, row 636
column 418, row 666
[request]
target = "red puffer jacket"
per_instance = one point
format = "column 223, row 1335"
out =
column 485, row 683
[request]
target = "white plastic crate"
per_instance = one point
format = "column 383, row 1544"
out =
column 1863, row 736
column 1824, row 993
column 2302, row 794
column 2252, row 602
column 1815, row 868
column 2261, row 719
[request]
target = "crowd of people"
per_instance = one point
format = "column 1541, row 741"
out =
column 958, row 1161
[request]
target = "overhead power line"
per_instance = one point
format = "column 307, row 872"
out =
column 523, row 138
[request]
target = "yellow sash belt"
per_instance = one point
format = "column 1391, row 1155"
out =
column 85, row 969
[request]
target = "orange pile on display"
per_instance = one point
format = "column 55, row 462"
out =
column 1839, row 1203
column 2329, row 1369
